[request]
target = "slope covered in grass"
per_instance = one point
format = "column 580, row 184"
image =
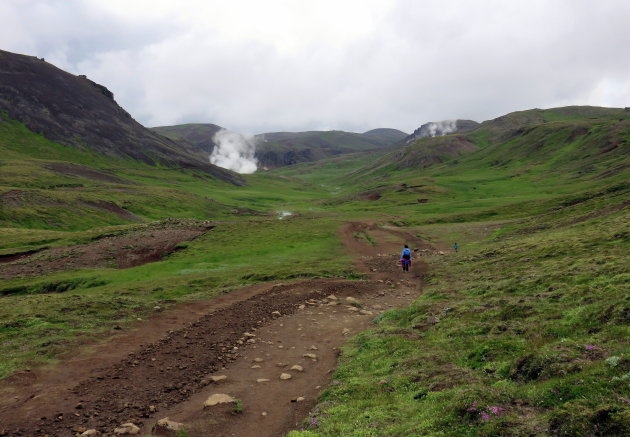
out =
column 522, row 333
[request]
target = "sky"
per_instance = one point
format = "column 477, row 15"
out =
column 292, row 65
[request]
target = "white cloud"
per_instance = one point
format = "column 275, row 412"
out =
column 256, row 66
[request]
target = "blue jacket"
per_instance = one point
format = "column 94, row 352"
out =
column 406, row 251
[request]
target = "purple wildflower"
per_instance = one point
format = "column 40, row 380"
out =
column 590, row 347
column 314, row 421
column 496, row 410
column 485, row 416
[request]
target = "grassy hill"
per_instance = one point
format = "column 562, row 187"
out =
column 524, row 331
column 277, row 149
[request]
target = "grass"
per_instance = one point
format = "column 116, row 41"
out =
column 531, row 339
column 45, row 315
column 532, row 312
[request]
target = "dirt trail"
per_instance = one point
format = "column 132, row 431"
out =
column 163, row 367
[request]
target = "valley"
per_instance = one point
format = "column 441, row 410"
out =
column 133, row 271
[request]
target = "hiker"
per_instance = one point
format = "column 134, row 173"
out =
column 405, row 258
column 455, row 247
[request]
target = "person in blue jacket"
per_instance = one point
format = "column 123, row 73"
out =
column 405, row 258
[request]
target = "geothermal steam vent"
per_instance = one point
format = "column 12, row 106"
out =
column 234, row 152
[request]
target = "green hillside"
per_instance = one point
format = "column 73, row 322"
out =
column 523, row 332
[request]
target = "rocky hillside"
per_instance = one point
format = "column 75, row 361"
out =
column 201, row 135
column 277, row 149
column 75, row 111
column 441, row 128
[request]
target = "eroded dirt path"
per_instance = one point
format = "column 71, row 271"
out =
column 163, row 367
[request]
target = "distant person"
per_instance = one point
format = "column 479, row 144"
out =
column 405, row 258
column 455, row 247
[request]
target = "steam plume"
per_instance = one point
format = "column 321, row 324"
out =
column 439, row 128
column 234, row 152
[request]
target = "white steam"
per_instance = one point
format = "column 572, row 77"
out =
column 234, row 152
column 439, row 128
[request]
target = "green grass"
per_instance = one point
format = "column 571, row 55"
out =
column 43, row 316
column 532, row 313
column 531, row 339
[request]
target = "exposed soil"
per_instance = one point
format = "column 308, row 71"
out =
column 162, row 367
column 124, row 249
column 69, row 169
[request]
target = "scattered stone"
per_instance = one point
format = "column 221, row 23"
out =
column 353, row 309
column 377, row 307
column 314, row 348
column 152, row 408
column 281, row 364
column 263, row 414
column 167, row 427
column 298, row 368
column 285, row 376
column 301, row 307
column 332, row 297
column 255, row 366
column 311, row 356
column 249, row 334
column 218, row 378
column 258, row 360
column 345, row 331
column 263, row 380
column 366, row 312
column 127, row 429
column 300, row 399
column 90, row 433
column 353, row 301
column 382, row 381
column 218, row 398
column 276, row 313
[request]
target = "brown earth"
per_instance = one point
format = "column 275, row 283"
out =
column 162, row 367
column 122, row 249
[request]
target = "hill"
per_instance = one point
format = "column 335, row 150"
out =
column 441, row 128
column 277, row 149
column 200, row 135
column 584, row 142
column 75, row 111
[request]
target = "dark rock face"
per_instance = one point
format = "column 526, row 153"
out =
column 441, row 128
column 200, row 135
column 78, row 112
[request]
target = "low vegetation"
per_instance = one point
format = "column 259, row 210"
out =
column 523, row 332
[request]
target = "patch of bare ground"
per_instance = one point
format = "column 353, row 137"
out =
column 276, row 345
column 69, row 169
column 125, row 249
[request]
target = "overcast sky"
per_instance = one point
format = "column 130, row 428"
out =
column 268, row 65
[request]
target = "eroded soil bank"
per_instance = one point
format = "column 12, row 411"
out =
column 118, row 249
